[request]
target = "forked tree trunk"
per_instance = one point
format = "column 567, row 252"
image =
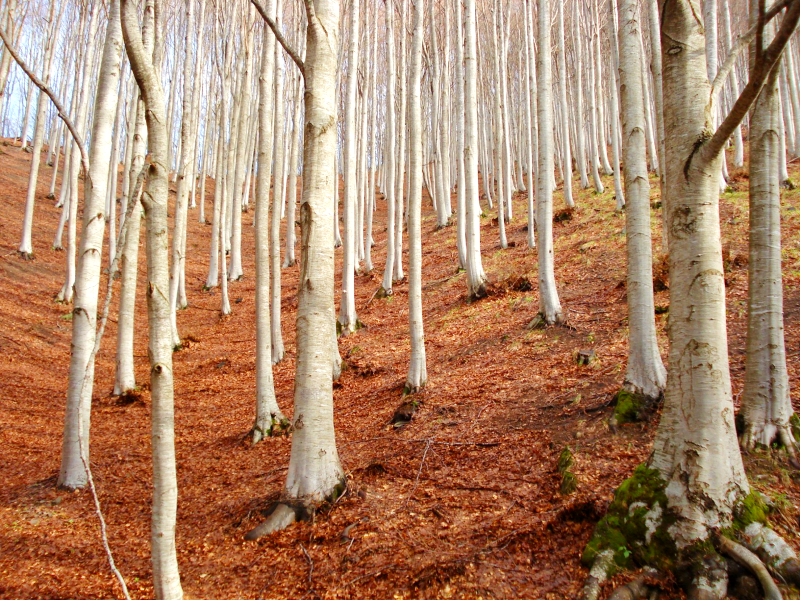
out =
column 166, row 580
column 267, row 411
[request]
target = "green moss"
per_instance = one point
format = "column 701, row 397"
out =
column 569, row 483
column 635, row 526
column 794, row 421
column 565, row 460
column 628, row 406
column 753, row 509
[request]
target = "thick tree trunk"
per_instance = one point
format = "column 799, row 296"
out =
column 696, row 449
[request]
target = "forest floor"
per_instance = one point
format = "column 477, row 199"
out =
column 462, row 502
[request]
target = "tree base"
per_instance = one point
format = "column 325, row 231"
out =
column 636, row 533
column 279, row 425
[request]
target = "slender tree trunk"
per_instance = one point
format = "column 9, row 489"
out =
column 645, row 374
column 766, row 403
column 417, row 369
column 268, row 414
column 549, row 305
column 389, row 155
column 561, row 61
column 348, row 320
column 476, row 278
column 75, row 448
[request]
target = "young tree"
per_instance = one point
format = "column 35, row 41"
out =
column 166, row 579
column 476, row 278
column 417, row 369
column 75, row 445
column 348, row 319
column 549, row 304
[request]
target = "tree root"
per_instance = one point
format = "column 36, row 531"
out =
column 283, row 516
column 771, row 548
column 603, row 563
column 635, row 590
column 749, row 560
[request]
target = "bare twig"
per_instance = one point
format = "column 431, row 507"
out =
column 52, row 95
column 308, row 559
column 419, row 472
column 425, row 441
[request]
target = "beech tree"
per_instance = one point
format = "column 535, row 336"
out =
column 315, row 473
column 166, row 580
column 696, row 467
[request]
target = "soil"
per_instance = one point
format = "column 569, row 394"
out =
column 461, row 501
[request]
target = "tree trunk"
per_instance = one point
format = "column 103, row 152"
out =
column 75, row 448
column 645, row 374
column 766, row 403
column 417, row 369
column 166, row 580
column 549, row 305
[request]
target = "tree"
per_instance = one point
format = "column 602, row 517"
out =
column 695, row 475
column 315, row 474
column 348, row 320
column 75, row 447
column 549, row 304
column 417, row 369
column 766, row 404
column 476, row 278
column 166, row 579
column 645, row 374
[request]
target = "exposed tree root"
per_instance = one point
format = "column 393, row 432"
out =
column 749, row 560
column 283, row 516
column 601, row 567
column 778, row 556
column 635, row 590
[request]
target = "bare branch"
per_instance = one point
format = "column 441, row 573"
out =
column 52, row 95
column 741, row 44
column 758, row 76
column 279, row 36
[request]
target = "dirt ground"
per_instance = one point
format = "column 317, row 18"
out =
column 462, row 502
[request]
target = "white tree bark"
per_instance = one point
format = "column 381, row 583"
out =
column 549, row 304
column 348, row 320
column 87, row 282
column 268, row 414
column 645, row 373
column 766, row 403
column 476, row 278
column 417, row 369
column 389, row 154
column 166, row 580
column 561, row 61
